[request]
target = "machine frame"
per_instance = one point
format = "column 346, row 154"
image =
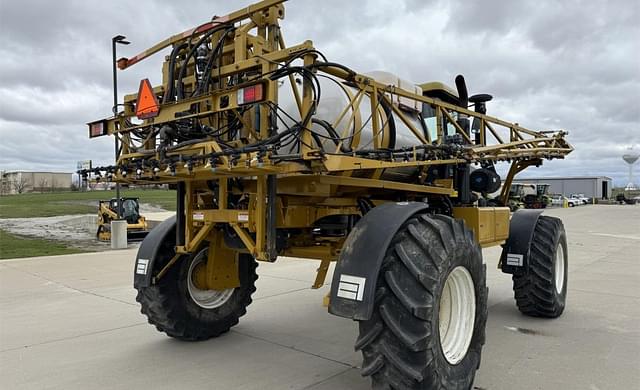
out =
column 294, row 191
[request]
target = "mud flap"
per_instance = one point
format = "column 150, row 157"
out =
column 356, row 273
column 515, row 252
column 150, row 251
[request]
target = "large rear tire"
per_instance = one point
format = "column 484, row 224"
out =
column 176, row 307
column 428, row 325
column 542, row 291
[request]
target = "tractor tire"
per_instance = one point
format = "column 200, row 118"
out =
column 428, row 325
column 176, row 307
column 542, row 291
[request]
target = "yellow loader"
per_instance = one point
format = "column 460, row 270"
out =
column 137, row 227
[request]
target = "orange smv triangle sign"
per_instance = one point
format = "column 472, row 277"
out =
column 147, row 104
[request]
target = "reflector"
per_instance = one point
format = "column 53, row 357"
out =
column 97, row 129
column 147, row 105
column 250, row 94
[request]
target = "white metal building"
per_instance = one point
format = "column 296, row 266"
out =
column 598, row 187
column 15, row 182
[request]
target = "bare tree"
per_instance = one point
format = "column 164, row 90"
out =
column 53, row 184
column 42, row 184
column 20, row 184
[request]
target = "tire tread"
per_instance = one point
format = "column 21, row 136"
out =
column 160, row 305
column 534, row 292
column 397, row 342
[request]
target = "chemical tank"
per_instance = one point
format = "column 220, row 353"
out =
column 351, row 130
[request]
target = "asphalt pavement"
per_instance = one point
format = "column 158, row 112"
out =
column 71, row 322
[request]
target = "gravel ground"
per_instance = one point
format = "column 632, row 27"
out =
column 77, row 231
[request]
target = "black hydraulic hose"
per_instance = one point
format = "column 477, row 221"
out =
column 301, row 54
column 273, row 138
column 247, row 148
column 333, row 135
column 172, row 66
column 183, row 69
column 215, row 53
column 186, row 143
column 326, row 64
column 305, row 72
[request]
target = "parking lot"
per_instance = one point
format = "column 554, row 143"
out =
column 71, row 322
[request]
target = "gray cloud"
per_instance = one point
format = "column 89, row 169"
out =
column 571, row 65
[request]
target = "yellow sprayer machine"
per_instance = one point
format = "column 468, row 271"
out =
column 275, row 150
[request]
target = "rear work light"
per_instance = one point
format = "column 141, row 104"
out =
column 251, row 94
column 97, row 129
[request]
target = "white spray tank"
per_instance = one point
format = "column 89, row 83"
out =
column 354, row 128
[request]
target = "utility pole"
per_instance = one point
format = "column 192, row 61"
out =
column 118, row 39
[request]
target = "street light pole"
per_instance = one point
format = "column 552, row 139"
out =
column 118, row 39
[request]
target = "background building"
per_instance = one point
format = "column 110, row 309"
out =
column 598, row 187
column 18, row 182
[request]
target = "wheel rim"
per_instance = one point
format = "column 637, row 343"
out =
column 559, row 268
column 457, row 314
column 207, row 299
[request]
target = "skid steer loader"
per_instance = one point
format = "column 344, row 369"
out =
column 275, row 150
column 137, row 227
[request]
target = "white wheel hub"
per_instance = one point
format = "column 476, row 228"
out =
column 207, row 299
column 457, row 314
column 559, row 269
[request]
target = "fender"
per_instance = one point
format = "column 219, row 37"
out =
column 515, row 252
column 151, row 250
column 354, row 279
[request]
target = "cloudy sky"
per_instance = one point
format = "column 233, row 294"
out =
column 550, row 64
